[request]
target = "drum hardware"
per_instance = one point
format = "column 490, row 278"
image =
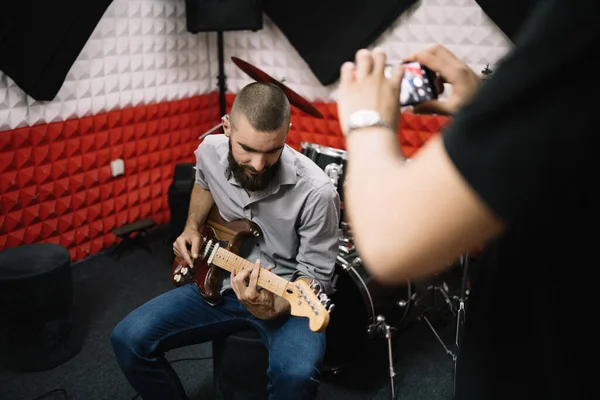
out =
column 346, row 232
column 346, row 241
column 384, row 329
column 378, row 327
column 346, row 246
column 458, row 311
column 366, row 311
column 334, row 172
column 331, row 160
column 356, row 262
column 461, row 314
column 442, row 290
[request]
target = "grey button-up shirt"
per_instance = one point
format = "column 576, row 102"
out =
column 298, row 212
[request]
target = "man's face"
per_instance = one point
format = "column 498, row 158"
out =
column 253, row 155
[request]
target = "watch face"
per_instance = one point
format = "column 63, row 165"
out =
column 364, row 118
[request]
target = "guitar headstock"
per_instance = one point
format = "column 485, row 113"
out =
column 308, row 300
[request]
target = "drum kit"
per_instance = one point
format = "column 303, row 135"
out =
column 364, row 309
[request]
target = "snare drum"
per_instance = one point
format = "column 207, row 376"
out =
column 359, row 300
column 331, row 160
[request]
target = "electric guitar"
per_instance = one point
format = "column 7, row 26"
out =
column 220, row 244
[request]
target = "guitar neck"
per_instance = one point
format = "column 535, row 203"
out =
column 231, row 262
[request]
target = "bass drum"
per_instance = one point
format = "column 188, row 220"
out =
column 359, row 300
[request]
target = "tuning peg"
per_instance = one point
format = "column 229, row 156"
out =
column 177, row 278
column 184, row 271
column 322, row 296
column 331, row 307
column 315, row 286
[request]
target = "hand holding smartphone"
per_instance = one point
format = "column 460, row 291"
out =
column 418, row 84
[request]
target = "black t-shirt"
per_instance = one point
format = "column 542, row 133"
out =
column 527, row 146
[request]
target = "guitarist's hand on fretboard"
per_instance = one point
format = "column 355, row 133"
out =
column 261, row 303
column 265, row 294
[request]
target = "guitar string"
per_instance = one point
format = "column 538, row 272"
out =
column 273, row 284
column 278, row 286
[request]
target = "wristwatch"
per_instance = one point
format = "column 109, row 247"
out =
column 365, row 119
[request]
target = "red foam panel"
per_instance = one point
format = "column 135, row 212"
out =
column 415, row 130
column 56, row 184
column 55, row 179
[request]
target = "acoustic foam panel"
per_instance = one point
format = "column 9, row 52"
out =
column 57, row 186
column 460, row 25
column 56, row 181
column 139, row 53
column 414, row 131
column 141, row 58
column 41, row 40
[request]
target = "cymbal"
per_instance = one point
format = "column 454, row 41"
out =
column 294, row 98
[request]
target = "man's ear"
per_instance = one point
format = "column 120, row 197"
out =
column 226, row 125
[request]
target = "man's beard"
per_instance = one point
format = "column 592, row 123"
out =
column 248, row 181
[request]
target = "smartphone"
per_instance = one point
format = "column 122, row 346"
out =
column 418, row 84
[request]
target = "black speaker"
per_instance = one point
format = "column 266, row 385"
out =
column 223, row 15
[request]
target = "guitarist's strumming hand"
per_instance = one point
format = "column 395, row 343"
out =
column 261, row 303
column 189, row 236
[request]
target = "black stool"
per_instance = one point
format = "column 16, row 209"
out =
column 240, row 363
column 36, row 295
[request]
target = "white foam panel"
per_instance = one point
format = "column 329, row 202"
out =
column 141, row 53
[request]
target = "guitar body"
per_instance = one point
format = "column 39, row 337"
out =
column 220, row 246
column 231, row 236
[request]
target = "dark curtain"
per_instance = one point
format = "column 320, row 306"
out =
column 326, row 33
column 508, row 15
column 40, row 41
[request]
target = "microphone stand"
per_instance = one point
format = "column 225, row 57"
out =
column 221, row 80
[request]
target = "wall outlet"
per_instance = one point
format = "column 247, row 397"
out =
column 117, row 167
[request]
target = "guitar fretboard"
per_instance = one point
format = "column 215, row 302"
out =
column 266, row 279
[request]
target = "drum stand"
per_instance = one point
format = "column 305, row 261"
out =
column 382, row 328
column 459, row 313
column 347, row 246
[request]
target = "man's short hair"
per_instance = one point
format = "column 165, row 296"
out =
column 264, row 105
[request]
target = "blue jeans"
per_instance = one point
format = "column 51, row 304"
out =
column 181, row 317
